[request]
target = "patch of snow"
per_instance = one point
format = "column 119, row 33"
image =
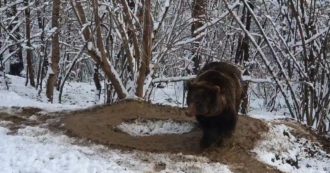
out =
column 90, row 46
column 35, row 149
column 140, row 127
column 167, row 3
column 258, row 109
column 156, row 24
column 290, row 154
column 266, row 115
column 171, row 94
column 12, row 99
column 174, row 79
column 75, row 96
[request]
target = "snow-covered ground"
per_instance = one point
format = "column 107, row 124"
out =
column 148, row 128
column 290, row 154
column 171, row 95
column 36, row 149
column 75, row 96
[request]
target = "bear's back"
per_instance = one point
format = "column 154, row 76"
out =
column 223, row 67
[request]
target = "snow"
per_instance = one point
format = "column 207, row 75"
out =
column 141, row 127
column 266, row 115
column 167, row 3
column 190, row 40
column 250, row 79
column 35, row 149
column 90, row 46
column 51, row 31
column 115, row 73
column 291, row 154
column 12, row 99
column 171, row 94
column 218, row 19
column 315, row 36
column 257, row 110
column 173, row 79
column 75, row 96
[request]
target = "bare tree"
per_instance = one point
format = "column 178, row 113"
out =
column 16, row 64
column 55, row 57
column 101, row 58
column 199, row 9
column 29, row 53
column 42, row 53
column 146, row 50
column 242, row 54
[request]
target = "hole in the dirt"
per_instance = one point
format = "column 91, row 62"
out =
column 143, row 127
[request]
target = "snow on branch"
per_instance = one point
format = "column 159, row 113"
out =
column 163, row 13
column 190, row 40
column 244, row 79
column 214, row 21
column 287, row 47
column 173, row 79
column 314, row 37
column 263, row 56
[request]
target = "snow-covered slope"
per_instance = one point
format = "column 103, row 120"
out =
column 280, row 148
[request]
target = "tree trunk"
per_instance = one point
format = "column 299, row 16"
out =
column 29, row 53
column 132, row 35
column 43, row 62
column 97, row 82
column 2, row 68
column 16, row 65
column 146, row 49
column 101, row 60
column 55, row 57
column 199, row 17
column 242, row 56
column 69, row 71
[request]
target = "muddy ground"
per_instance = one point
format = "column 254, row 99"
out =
column 99, row 125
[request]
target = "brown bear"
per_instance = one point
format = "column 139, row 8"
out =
column 214, row 98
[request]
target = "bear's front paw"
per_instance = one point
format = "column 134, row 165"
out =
column 209, row 139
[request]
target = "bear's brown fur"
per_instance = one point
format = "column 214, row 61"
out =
column 214, row 98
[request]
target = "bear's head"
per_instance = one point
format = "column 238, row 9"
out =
column 204, row 99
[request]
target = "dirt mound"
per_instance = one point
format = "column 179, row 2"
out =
column 100, row 125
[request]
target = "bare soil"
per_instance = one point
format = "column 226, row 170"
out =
column 99, row 125
column 21, row 117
